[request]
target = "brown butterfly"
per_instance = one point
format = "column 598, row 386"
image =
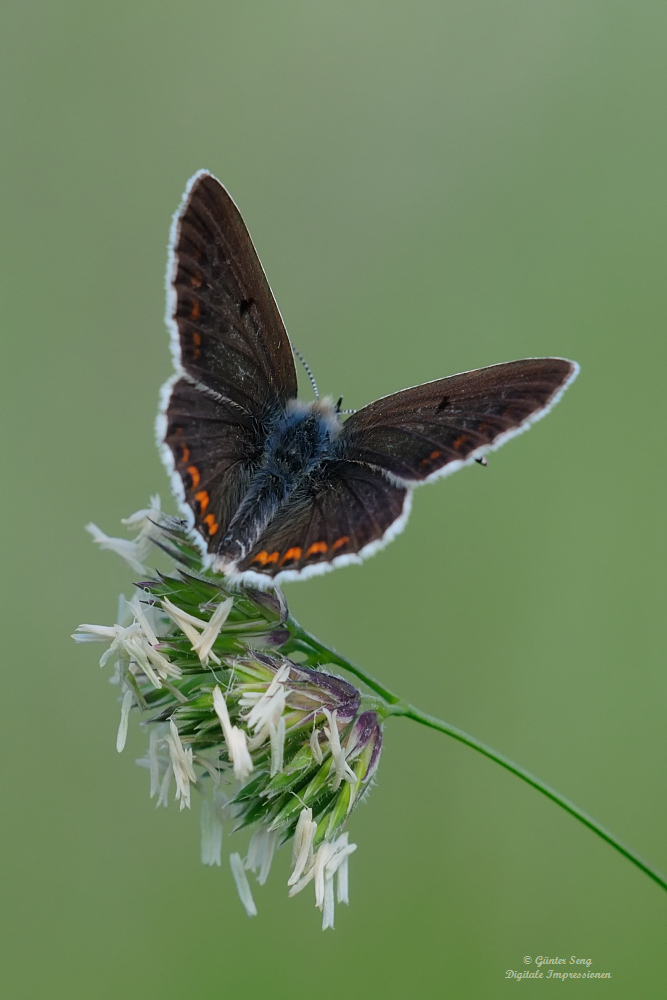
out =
column 276, row 488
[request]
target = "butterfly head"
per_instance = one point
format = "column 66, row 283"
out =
column 324, row 410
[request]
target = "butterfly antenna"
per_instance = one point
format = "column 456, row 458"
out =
column 339, row 404
column 309, row 373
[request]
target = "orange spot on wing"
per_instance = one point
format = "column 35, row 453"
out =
column 211, row 524
column 202, row 499
column 291, row 555
column 459, row 441
column 195, row 312
column 431, row 457
column 194, row 475
column 315, row 548
column 273, row 558
column 195, row 280
column 196, row 340
column 185, row 457
column 340, row 541
column 261, row 557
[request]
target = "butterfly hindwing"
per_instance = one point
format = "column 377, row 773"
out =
column 340, row 511
column 215, row 448
column 419, row 432
column 231, row 336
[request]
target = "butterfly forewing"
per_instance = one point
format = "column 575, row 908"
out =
column 231, row 336
column 233, row 353
column 417, row 433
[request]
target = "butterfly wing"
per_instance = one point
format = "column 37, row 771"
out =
column 212, row 449
column 350, row 507
column 231, row 352
column 342, row 511
column 229, row 334
column 433, row 429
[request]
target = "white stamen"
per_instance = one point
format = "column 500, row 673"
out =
column 95, row 633
column 181, row 761
column 124, row 614
column 142, row 519
column 133, row 552
column 302, row 846
column 163, row 797
column 303, row 882
column 183, row 620
column 237, row 746
column 201, row 642
column 221, row 710
column 265, row 717
column 268, row 708
column 342, row 769
column 213, row 767
column 342, row 893
column 138, row 612
column 277, row 746
column 315, row 746
column 124, row 720
column 342, row 851
column 260, row 853
column 128, row 550
column 139, row 653
column 328, row 903
column 331, row 858
column 183, row 615
column 212, row 629
column 242, row 884
column 130, row 642
column 235, row 738
column 118, row 645
column 211, row 834
column 147, row 640
column 164, row 666
column 153, row 761
column 260, row 738
column 323, row 855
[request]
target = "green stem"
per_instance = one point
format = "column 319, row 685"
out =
column 320, row 653
column 304, row 642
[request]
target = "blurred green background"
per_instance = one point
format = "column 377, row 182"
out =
column 432, row 187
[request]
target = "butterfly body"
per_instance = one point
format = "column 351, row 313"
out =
column 297, row 443
column 273, row 487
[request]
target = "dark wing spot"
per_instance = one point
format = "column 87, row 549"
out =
column 245, row 305
column 442, row 404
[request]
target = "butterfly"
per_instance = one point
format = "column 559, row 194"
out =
column 275, row 488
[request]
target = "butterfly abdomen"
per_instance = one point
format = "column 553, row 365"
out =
column 294, row 449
